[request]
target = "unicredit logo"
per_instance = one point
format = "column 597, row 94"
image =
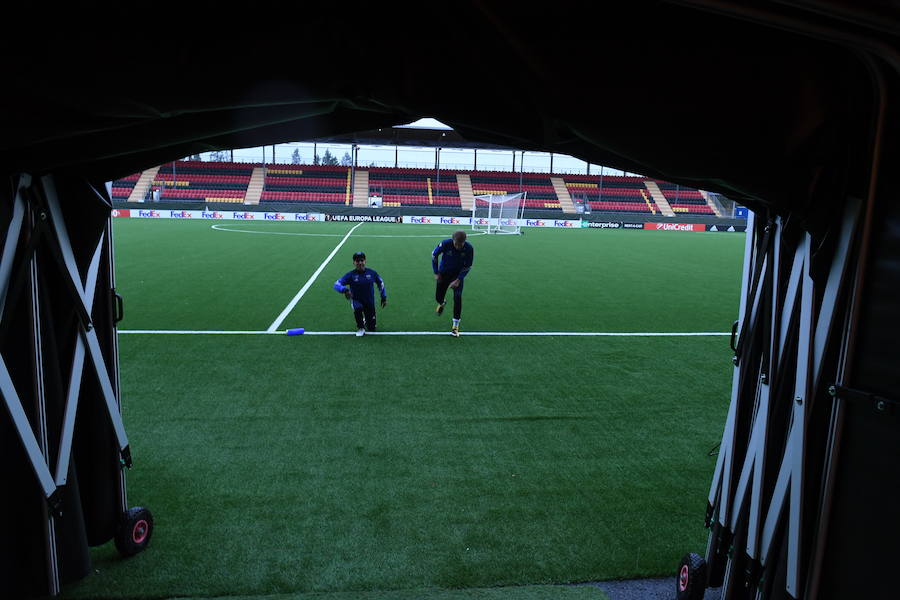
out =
column 674, row 227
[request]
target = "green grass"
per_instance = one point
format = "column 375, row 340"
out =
column 185, row 275
column 417, row 466
column 531, row 592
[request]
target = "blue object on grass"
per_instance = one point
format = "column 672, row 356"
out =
column 298, row 331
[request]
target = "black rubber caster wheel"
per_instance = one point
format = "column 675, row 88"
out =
column 690, row 581
column 134, row 531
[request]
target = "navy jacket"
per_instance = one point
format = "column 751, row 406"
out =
column 453, row 260
column 361, row 286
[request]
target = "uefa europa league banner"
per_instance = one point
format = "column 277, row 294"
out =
column 433, row 220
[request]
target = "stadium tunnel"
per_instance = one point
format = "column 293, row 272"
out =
column 790, row 108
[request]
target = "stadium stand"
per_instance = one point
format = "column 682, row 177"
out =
column 321, row 184
column 613, row 193
column 121, row 188
column 310, row 184
column 414, row 187
column 540, row 192
column 209, row 182
column 684, row 200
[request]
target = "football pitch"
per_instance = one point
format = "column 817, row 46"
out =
column 411, row 464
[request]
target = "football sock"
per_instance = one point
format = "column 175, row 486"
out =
column 456, row 322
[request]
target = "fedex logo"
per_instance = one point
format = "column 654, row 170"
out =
column 480, row 222
column 179, row 214
column 508, row 222
column 537, row 223
column 212, row 215
column 274, row 216
column 562, row 223
column 449, row 221
column 420, row 220
column 148, row 213
column 245, row 215
column 303, row 217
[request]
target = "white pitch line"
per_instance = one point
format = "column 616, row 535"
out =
column 231, row 230
column 287, row 309
column 223, row 228
column 200, row 332
column 466, row 333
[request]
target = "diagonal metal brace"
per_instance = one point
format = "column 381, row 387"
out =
column 880, row 404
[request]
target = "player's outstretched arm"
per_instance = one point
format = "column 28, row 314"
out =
column 341, row 287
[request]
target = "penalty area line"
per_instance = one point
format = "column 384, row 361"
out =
column 465, row 333
column 287, row 309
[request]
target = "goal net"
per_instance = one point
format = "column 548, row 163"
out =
column 498, row 213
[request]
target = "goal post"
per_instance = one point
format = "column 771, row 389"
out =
column 498, row 213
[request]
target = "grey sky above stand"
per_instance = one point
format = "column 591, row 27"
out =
column 457, row 155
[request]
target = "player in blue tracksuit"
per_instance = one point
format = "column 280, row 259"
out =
column 357, row 286
column 456, row 256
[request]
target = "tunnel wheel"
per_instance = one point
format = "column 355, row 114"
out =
column 134, row 531
column 690, row 580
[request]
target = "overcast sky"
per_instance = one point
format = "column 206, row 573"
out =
column 450, row 158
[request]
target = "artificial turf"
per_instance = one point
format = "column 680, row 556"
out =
column 417, row 464
column 531, row 592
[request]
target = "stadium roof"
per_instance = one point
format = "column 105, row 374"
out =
column 422, row 136
column 768, row 102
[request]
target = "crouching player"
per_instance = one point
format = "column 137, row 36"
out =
column 357, row 287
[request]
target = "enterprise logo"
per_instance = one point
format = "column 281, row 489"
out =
column 603, row 225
